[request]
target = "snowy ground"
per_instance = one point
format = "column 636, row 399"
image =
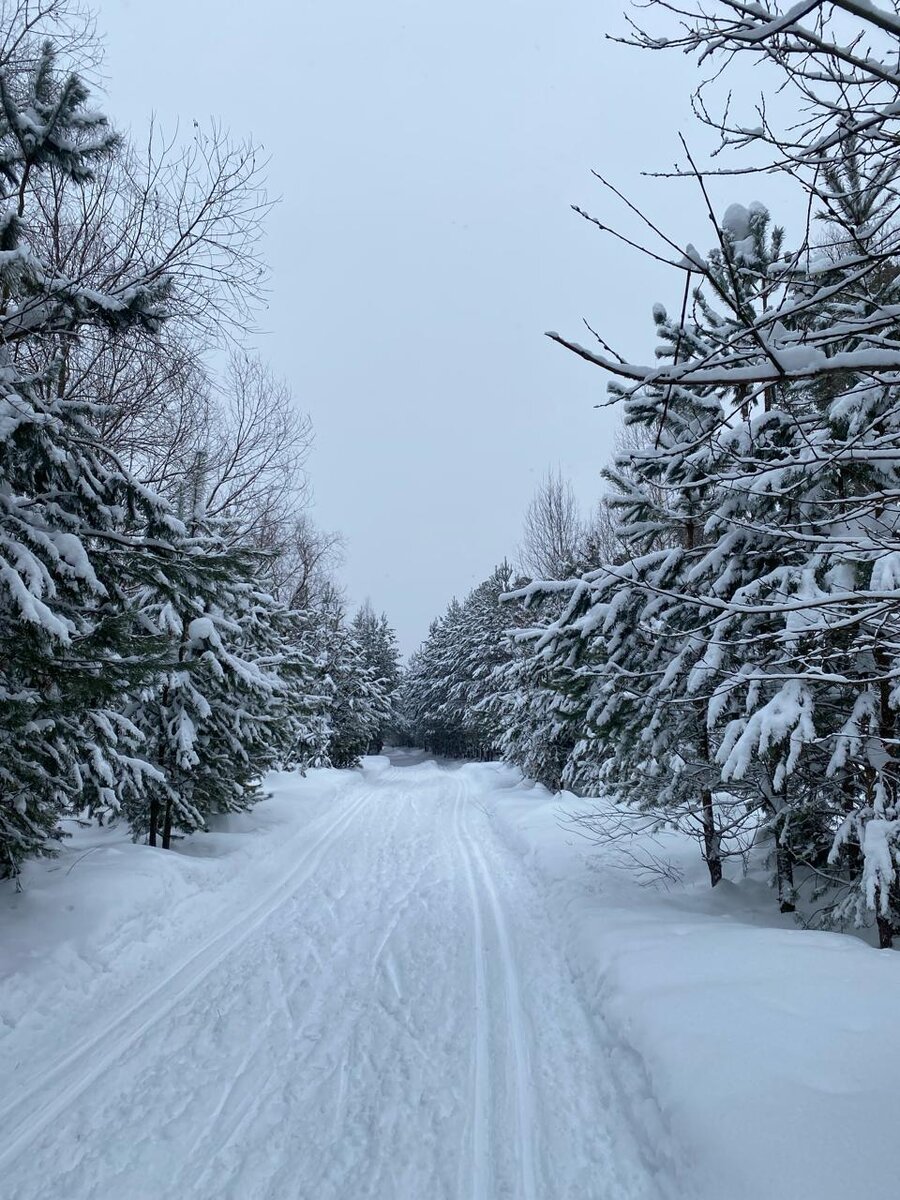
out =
column 411, row 983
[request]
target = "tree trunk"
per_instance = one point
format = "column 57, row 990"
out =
column 885, row 933
column 777, row 805
column 167, row 827
column 887, row 729
column 784, row 873
column 154, row 821
column 711, row 841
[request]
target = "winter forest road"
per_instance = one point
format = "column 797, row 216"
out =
column 395, row 1021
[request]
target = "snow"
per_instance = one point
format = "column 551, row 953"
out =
column 203, row 629
column 413, row 981
column 737, row 221
column 772, row 1050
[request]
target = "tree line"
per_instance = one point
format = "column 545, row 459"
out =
column 723, row 655
column 169, row 624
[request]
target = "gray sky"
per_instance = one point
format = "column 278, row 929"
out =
column 426, row 155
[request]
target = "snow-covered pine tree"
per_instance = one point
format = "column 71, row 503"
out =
column 837, row 520
column 358, row 704
column 637, row 639
column 451, row 699
column 377, row 643
column 300, row 727
column 432, row 722
column 799, row 580
column 76, row 533
column 700, row 431
column 482, row 650
column 216, row 717
column 781, row 617
column 538, row 721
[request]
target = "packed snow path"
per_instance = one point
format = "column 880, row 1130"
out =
column 393, row 1019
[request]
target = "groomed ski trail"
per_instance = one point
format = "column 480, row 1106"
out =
column 518, row 1075
column 393, row 1020
column 81, row 1065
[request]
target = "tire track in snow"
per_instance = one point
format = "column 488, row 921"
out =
column 32, row 1111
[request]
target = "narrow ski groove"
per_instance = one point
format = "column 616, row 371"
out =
column 516, row 1027
column 481, row 1085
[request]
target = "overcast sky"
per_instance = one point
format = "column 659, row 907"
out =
column 425, row 156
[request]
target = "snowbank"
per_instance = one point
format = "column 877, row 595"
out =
column 772, row 1051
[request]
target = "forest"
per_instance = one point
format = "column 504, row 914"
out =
column 716, row 646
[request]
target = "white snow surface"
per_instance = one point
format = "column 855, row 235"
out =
column 413, row 982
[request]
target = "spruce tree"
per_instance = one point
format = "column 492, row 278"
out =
column 358, row 706
column 377, row 644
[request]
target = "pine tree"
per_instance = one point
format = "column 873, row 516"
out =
column 301, row 727
column 76, row 533
column 377, row 643
column 433, row 723
column 638, row 653
column 212, row 719
column 481, row 652
column 449, row 694
column 358, row 704
column 745, row 673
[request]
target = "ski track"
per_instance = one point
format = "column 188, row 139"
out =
column 519, row 1077
column 480, row 1123
column 34, row 1108
column 392, row 1021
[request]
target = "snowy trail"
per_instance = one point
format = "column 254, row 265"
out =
column 392, row 1020
column 50, row 1093
column 518, row 1078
